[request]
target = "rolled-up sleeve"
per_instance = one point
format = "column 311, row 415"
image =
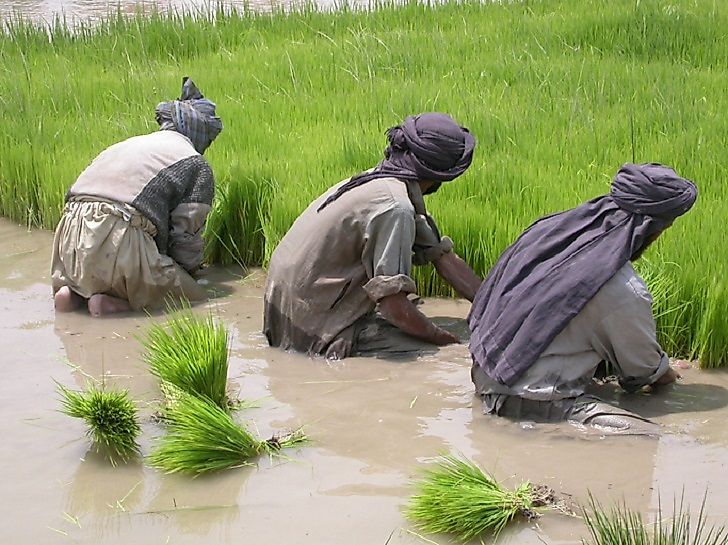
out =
column 387, row 253
column 627, row 338
column 186, row 244
column 187, row 219
column 429, row 246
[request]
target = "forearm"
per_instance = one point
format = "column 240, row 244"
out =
column 187, row 251
column 402, row 313
column 458, row 274
column 186, row 245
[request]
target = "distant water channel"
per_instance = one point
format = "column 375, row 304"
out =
column 90, row 10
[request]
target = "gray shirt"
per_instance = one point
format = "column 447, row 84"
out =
column 616, row 326
column 333, row 266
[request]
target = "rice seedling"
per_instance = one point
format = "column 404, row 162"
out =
column 201, row 437
column 558, row 94
column 190, row 353
column 457, row 497
column 621, row 526
column 110, row 415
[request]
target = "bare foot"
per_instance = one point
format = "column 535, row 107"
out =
column 100, row 305
column 67, row 300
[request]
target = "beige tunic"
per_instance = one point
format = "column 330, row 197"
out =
column 109, row 248
column 333, row 266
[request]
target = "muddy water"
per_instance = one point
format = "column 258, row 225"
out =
column 372, row 424
column 47, row 10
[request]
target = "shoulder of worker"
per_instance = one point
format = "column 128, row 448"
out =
column 392, row 193
column 169, row 144
column 377, row 197
column 625, row 287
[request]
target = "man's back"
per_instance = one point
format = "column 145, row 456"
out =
column 616, row 325
column 154, row 173
column 320, row 273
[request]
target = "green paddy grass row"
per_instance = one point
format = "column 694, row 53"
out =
column 558, row 93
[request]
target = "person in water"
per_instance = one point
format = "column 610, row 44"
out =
column 131, row 230
column 565, row 297
column 350, row 253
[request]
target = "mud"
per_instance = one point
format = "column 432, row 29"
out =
column 372, row 424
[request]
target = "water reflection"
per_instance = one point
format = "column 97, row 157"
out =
column 102, row 509
column 202, row 506
column 90, row 10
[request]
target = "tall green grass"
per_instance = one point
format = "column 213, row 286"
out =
column 558, row 93
column 190, row 353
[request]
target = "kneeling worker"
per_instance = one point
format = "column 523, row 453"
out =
column 564, row 297
column 352, row 251
column 131, row 230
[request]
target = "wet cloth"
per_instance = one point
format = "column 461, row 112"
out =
column 376, row 337
column 332, row 267
column 108, row 248
column 585, row 409
column 162, row 176
column 559, row 263
column 425, row 147
column 616, row 326
column 192, row 115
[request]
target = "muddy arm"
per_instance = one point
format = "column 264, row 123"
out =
column 458, row 274
column 400, row 312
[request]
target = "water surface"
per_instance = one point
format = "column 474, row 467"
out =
column 91, row 10
column 373, row 424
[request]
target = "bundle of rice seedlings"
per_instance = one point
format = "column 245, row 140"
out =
column 110, row 415
column 621, row 526
column 457, row 497
column 201, row 437
column 190, row 353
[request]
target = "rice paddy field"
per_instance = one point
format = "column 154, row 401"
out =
column 376, row 429
column 558, row 93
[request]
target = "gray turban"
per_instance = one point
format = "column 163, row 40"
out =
column 652, row 190
column 192, row 115
column 425, row 147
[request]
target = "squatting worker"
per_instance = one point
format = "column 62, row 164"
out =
column 565, row 297
column 353, row 248
column 131, row 230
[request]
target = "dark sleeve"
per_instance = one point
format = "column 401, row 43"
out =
column 187, row 219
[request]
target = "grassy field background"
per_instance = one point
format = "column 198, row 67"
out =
column 559, row 94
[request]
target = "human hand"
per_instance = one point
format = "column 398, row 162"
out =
column 445, row 337
column 668, row 378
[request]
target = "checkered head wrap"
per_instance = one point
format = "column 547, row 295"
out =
column 192, row 115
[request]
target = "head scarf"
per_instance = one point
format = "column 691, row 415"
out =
column 192, row 115
column 425, row 147
column 559, row 263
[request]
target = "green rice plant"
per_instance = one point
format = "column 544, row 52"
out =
column 457, row 497
column 201, row 437
column 190, row 353
column 621, row 526
column 110, row 415
column 558, row 93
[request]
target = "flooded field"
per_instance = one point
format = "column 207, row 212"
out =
column 46, row 10
column 372, row 424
